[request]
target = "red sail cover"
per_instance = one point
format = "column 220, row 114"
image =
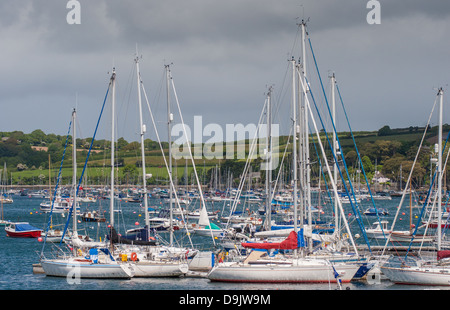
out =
column 289, row 243
column 443, row 254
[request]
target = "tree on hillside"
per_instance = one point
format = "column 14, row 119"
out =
column 391, row 169
column 37, row 137
column 384, row 131
column 367, row 164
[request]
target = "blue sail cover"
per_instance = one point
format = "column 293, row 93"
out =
column 25, row 227
column 301, row 239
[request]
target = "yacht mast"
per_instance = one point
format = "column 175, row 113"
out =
column 294, row 149
column 143, row 129
column 74, row 173
column 269, row 161
column 335, row 168
column 111, row 203
column 439, row 168
column 169, row 129
column 305, row 170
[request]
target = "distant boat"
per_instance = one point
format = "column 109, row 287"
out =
column 92, row 216
column 60, row 205
column 195, row 215
column 22, row 230
column 374, row 211
column 381, row 196
column 37, row 194
column 4, row 199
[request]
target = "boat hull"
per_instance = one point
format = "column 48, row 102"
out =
column 155, row 269
column 86, row 269
column 303, row 272
column 24, row 234
column 439, row 276
column 209, row 232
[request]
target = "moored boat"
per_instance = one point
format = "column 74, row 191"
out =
column 22, row 230
column 98, row 265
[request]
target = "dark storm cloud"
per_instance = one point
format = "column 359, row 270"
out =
column 224, row 55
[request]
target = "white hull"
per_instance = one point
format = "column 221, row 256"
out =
column 149, row 269
column 288, row 271
column 429, row 275
column 208, row 232
column 6, row 200
column 83, row 269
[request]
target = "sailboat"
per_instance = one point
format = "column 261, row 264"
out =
column 151, row 258
column 5, row 198
column 434, row 271
column 205, row 227
column 98, row 262
column 286, row 262
column 2, row 219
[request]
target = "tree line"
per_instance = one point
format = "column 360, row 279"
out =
column 389, row 151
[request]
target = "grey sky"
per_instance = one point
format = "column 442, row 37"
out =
column 224, row 55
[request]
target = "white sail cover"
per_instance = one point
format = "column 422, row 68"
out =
column 203, row 219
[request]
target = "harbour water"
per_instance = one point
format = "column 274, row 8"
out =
column 17, row 255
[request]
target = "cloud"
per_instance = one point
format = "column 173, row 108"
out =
column 224, row 55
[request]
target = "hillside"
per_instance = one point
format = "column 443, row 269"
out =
column 28, row 157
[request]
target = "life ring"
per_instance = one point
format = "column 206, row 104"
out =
column 133, row 256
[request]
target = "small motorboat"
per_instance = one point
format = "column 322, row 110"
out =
column 92, row 216
column 22, row 230
column 374, row 211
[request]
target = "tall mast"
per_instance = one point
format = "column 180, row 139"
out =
column 74, row 173
column 294, row 148
column 269, row 161
column 306, row 135
column 335, row 169
column 111, row 203
column 169, row 128
column 143, row 129
column 439, row 168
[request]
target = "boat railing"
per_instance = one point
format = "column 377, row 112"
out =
column 56, row 253
column 399, row 261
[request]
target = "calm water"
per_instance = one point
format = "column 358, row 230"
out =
column 18, row 254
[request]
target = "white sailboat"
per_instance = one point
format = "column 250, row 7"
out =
column 5, row 197
column 435, row 271
column 154, row 260
column 98, row 262
column 293, row 266
column 205, row 227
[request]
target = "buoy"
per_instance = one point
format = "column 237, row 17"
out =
column 40, row 239
column 137, row 223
